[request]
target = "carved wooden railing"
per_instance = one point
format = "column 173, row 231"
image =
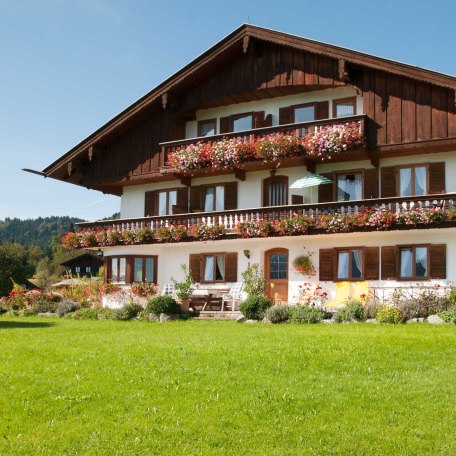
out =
column 231, row 218
column 301, row 129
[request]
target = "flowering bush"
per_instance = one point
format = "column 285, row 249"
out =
column 311, row 295
column 255, row 228
column 29, row 302
column 333, row 140
column 171, row 233
column 207, row 232
column 302, row 264
column 278, row 146
column 189, row 158
column 297, row 225
column 293, row 226
column 388, row 314
column 144, row 289
column 228, row 153
column 71, row 240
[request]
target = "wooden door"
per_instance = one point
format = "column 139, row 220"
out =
column 276, row 271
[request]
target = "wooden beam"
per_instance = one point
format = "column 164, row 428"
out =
column 239, row 174
column 245, row 44
column 94, row 150
column 343, row 72
column 185, row 180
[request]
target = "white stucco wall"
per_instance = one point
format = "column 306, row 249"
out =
column 170, row 256
column 272, row 106
column 250, row 190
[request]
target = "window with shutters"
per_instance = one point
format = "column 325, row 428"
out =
column 413, row 262
column 213, row 268
column 77, row 269
column 118, row 269
column 349, row 186
column 131, row 268
column 207, row 127
column 214, row 198
column 88, row 269
column 166, row 199
column 275, row 191
column 144, row 269
column 350, row 264
column 344, row 107
column 412, row 180
column 241, row 122
column 304, row 113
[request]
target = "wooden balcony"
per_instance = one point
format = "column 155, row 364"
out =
column 300, row 129
column 231, row 218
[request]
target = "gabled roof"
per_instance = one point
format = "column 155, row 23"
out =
column 83, row 255
column 240, row 37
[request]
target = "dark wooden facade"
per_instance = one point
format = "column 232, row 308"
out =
column 408, row 110
column 85, row 265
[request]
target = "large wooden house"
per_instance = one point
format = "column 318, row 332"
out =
column 268, row 143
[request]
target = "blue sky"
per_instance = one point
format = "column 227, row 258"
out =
column 69, row 66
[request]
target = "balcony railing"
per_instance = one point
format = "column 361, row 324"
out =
column 231, row 218
column 300, row 129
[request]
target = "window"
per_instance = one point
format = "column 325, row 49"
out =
column 118, row 269
column 304, row 113
column 207, row 127
column 214, row 198
column 413, row 262
column 140, row 269
column 350, row 264
column 412, row 180
column 242, row 122
column 166, row 200
column 88, row 269
column 144, row 269
column 344, row 107
column 278, row 265
column 275, row 192
column 77, row 269
column 349, row 186
column 214, row 268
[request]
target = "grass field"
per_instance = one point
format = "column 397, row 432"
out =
column 106, row 388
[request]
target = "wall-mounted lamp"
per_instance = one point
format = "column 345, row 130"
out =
column 99, row 253
column 273, row 172
column 247, row 253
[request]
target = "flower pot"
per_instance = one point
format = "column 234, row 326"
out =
column 184, row 305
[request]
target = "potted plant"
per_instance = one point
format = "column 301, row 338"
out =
column 184, row 289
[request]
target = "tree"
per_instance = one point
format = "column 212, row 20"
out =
column 14, row 266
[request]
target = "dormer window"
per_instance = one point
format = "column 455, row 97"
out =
column 242, row 122
column 344, row 107
column 207, row 127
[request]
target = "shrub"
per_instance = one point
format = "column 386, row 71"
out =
column 65, row 307
column 162, row 304
column 85, row 314
column 305, row 314
column 450, row 297
column 185, row 288
column 370, row 309
column 127, row 312
column 278, row 314
column 254, row 307
column 448, row 316
column 352, row 311
column 427, row 302
column 389, row 314
column 106, row 314
column 254, row 281
column 43, row 306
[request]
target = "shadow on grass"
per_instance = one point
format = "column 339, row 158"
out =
column 24, row 324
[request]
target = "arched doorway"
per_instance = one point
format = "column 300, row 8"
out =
column 276, row 272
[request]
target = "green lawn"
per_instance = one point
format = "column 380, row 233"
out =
column 107, row 387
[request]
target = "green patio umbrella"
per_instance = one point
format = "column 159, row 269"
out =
column 312, row 180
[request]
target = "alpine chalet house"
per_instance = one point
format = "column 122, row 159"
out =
column 268, row 147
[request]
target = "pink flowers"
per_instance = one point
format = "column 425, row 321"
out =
column 229, row 153
column 333, row 140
